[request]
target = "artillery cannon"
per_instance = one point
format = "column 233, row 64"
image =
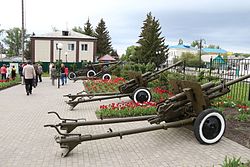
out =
column 91, row 74
column 134, row 88
column 189, row 107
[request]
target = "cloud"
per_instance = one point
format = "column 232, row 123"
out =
column 221, row 22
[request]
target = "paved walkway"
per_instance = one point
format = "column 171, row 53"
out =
column 24, row 142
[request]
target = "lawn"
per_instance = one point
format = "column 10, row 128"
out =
column 240, row 91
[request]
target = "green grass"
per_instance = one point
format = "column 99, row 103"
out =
column 4, row 85
column 239, row 91
column 234, row 162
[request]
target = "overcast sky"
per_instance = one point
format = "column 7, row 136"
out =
column 221, row 22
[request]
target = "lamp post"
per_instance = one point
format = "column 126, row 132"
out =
column 59, row 47
column 66, row 54
column 22, row 33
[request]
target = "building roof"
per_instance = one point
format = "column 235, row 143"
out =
column 219, row 59
column 61, row 34
column 181, row 47
column 106, row 58
column 211, row 50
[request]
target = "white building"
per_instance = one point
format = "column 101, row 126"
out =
column 76, row 47
column 177, row 50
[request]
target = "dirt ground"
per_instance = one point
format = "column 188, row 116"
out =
column 236, row 130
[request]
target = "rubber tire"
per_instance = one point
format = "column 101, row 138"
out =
column 72, row 74
column 139, row 90
column 89, row 72
column 106, row 75
column 199, row 122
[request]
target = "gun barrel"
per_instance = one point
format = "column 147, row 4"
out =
column 167, row 68
column 229, row 83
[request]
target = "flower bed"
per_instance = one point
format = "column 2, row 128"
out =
column 129, row 109
column 242, row 108
column 8, row 83
column 103, row 86
column 126, row 109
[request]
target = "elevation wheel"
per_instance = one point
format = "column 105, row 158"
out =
column 209, row 126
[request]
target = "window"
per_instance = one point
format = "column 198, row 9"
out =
column 71, row 47
column 84, row 47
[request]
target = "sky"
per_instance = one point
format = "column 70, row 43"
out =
column 220, row 22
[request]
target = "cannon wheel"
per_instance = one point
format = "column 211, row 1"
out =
column 141, row 95
column 91, row 73
column 209, row 126
column 106, row 77
column 72, row 75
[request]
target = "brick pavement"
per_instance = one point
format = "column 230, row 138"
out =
column 24, row 142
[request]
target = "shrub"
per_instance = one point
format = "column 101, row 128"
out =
column 233, row 162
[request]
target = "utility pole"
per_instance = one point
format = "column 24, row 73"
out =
column 200, row 56
column 22, row 35
column 200, row 47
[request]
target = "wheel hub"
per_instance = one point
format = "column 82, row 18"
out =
column 142, row 97
column 211, row 127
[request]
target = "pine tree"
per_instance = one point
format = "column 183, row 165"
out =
column 103, row 39
column 152, row 46
column 114, row 54
column 88, row 30
column 78, row 29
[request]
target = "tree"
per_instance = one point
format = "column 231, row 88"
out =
column 103, row 39
column 195, row 44
column 191, row 60
column 130, row 53
column 151, row 47
column 88, row 30
column 180, row 42
column 78, row 29
column 13, row 41
column 27, row 51
column 114, row 54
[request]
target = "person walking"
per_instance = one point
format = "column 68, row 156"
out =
column 62, row 73
column 40, row 72
column 29, row 74
column 66, row 74
column 36, row 77
column 53, row 74
column 20, row 71
column 50, row 66
column 8, row 74
column 13, row 73
column 3, row 72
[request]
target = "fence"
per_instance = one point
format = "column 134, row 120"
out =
column 230, row 69
column 227, row 69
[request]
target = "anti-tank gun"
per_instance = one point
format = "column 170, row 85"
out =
column 94, row 71
column 136, row 89
column 189, row 107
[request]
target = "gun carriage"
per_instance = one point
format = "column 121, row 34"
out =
column 191, row 106
column 135, row 89
column 94, row 71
